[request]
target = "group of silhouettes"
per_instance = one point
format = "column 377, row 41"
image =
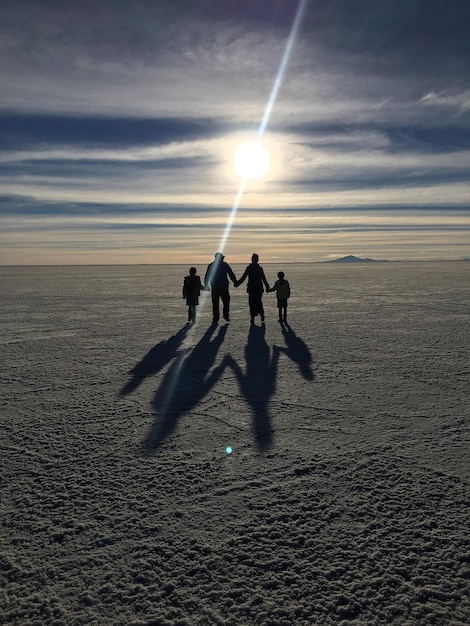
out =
column 216, row 280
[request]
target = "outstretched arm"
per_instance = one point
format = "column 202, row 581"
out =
column 263, row 278
column 207, row 277
column 229, row 361
column 231, row 274
column 240, row 280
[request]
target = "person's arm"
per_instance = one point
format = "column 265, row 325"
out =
column 231, row 274
column 207, row 277
column 263, row 278
column 240, row 280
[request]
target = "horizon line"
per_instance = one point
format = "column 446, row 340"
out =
column 459, row 260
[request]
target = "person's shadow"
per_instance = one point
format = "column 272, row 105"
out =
column 258, row 383
column 298, row 351
column 155, row 360
column 187, row 381
column 184, row 385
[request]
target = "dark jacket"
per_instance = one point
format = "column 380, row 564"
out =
column 282, row 289
column 192, row 286
column 216, row 274
column 256, row 278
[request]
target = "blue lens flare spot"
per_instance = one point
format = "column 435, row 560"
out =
column 228, row 450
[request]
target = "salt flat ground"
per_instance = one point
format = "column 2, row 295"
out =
column 345, row 498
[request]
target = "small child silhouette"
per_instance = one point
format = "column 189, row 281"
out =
column 282, row 289
column 192, row 288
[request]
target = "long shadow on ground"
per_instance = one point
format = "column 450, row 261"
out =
column 258, row 382
column 188, row 381
column 298, row 351
column 155, row 360
column 184, row 385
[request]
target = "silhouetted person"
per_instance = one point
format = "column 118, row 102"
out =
column 256, row 283
column 217, row 279
column 191, row 291
column 282, row 289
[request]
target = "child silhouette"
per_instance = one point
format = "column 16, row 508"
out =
column 282, row 289
column 192, row 288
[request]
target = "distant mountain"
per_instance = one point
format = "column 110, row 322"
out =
column 352, row 259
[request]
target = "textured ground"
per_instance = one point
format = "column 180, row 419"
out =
column 345, row 499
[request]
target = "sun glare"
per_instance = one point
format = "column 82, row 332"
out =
column 252, row 160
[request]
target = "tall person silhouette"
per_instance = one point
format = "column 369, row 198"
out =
column 256, row 283
column 216, row 278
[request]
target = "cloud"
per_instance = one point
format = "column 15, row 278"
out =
column 459, row 101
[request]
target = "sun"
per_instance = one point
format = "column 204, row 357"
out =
column 252, row 160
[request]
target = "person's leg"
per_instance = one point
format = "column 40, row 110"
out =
column 279, row 306
column 252, row 306
column 215, row 305
column 261, row 307
column 226, row 304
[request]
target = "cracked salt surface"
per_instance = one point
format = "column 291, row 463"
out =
column 344, row 499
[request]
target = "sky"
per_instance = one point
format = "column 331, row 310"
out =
column 119, row 121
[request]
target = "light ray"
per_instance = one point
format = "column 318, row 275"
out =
column 267, row 112
column 282, row 68
column 233, row 214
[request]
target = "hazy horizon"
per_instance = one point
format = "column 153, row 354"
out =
column 243, row 263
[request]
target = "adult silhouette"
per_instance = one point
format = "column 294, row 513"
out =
column 256, row 283
column 217, row 274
